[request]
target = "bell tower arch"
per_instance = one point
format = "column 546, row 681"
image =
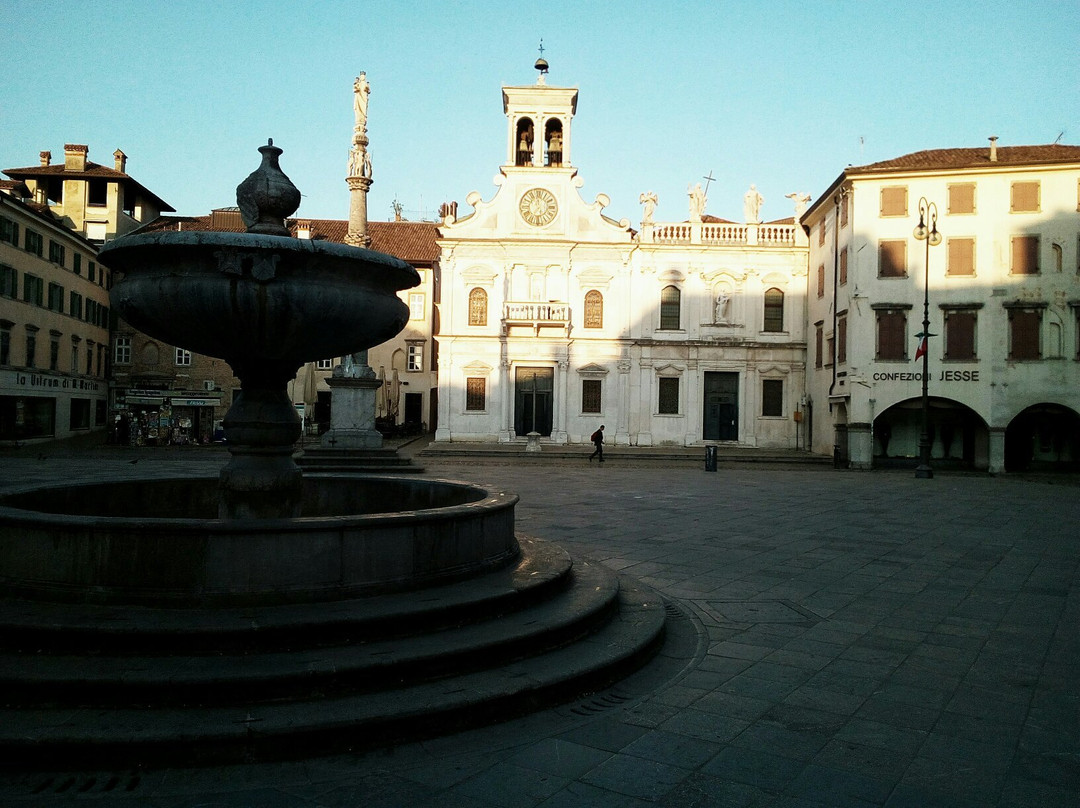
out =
column 538, row 123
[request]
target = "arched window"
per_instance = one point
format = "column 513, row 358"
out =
column 774, row 311
column 524, row 143
column 477, row 307
column 594, row 309
column 670, row 298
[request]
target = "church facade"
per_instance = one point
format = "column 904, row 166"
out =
column 555, row 318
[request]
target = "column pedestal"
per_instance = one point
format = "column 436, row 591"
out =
column 352, row 414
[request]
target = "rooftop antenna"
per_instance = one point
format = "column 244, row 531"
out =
column 541, row 64
column 1061, row 134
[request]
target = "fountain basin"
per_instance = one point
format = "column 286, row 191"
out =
column 374, row 535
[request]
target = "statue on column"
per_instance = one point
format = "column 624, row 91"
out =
column 361, row 91
column 752, row 201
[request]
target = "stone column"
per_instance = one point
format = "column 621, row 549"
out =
column 352, row 413
column 358, row 190
column 997, row 450
column 622, row 424
column 860, row 446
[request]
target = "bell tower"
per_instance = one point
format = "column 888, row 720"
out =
column 538, row 130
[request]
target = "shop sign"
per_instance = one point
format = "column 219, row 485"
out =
column 945, row 376
column 194, row 402
column 41, row 381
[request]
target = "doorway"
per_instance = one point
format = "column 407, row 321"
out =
column 532, row 400
column 721, row 410
column 414, row 412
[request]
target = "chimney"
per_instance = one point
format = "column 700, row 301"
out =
column 46, row 158
column 993, row 148
column 121, row 161
column 75, row 157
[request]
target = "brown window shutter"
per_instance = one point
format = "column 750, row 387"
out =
column 1024, row 334
column 892, row 259
column 894, row 201
column 891, row 327
column 821, row 280
column 843, row 212
column 1025, row 255
column 841, row 340
column 961, row 258
column 818, row 334
column 1025, row 197
column 962, row 198
column 960, row 335
column 843, row 265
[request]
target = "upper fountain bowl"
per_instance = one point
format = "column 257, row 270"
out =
column 257, row 300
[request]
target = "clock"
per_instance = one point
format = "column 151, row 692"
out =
column 538, row 207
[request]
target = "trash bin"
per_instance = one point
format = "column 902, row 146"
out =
column 710, row 458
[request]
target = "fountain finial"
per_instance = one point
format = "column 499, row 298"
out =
column 267, row 197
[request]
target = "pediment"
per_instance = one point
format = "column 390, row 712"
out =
column 592, row 369
column 478, row 368
column 668, row 370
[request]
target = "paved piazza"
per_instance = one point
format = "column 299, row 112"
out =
column 837, row 639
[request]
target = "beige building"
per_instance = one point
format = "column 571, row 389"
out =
column 54, row 325
column 556, row 318
column 1004, row 299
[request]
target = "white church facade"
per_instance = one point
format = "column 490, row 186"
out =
column 555, row 319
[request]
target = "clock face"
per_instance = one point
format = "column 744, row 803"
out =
column 538, row 207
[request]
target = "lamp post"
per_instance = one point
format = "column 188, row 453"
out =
column 927, row 214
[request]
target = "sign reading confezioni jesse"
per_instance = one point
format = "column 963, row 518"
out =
column 943, row 376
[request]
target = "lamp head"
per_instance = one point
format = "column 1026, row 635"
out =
column 935, row 237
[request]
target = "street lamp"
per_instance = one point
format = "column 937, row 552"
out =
column 927, row 213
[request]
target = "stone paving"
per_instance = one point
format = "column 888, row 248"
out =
column 837, row 639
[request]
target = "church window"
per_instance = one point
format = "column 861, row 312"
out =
column 670, row 303
column 590, row 395
column 774, row 310
column 594, row 309
column 475, row 394
column 772, row 398
column 477, row 307
column 668, row 403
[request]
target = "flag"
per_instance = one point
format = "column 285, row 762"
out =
column 922, row 348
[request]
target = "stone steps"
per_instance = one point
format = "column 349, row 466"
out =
column 520, row 639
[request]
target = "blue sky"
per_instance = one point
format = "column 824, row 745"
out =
column 781, row 94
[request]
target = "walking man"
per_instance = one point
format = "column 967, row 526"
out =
column 598, row 441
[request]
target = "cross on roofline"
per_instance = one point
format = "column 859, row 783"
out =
column 708, row 179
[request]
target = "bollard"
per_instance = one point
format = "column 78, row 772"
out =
column 710, row 458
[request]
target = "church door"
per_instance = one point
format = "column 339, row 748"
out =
column 533, row 400
column 721, row 419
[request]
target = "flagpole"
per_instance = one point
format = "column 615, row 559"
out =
column 927, row 212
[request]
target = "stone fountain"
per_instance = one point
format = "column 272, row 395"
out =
column 268, row 612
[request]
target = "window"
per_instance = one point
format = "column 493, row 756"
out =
column 670, row 304
column 90, row 357
column 594, row 309
column 475, row 395
column 843, row 266
column 74, row 355
column 76, row 263
column 772, row 398
column 892, row 258
column 821, row 232
column 590, row 395
column 669, row 396
column 183, row 358
column 54, row 352
column 33, row 289
column 894, row 201
column 841, row 337
column 891, row 335
column 961, row 198
column 80, row 413
column 56, row 297
column 478, row 307
column 821, row 280
column 31, row 348
column 1024, row 197
column 33, row 242
column 774, row 311
column 324, row 364
column 91, row 271
column 9, row 281
column 1025, row 255
column 56, row 252
column 5, row 342
column 819, row 335
column 843, row 210
column 960, row 258
column 9, row 231
column 417, row 305
column 416, row 358
column 97, row 193
column 1024, row 340
column 960, row 335
column 75, row 305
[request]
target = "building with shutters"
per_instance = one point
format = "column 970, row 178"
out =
column 556, row 318
column 1003, row 288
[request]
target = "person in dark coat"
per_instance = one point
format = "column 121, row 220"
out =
column 598, row 441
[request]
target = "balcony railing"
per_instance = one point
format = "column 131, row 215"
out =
column 724, row 233
column 537, row 314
